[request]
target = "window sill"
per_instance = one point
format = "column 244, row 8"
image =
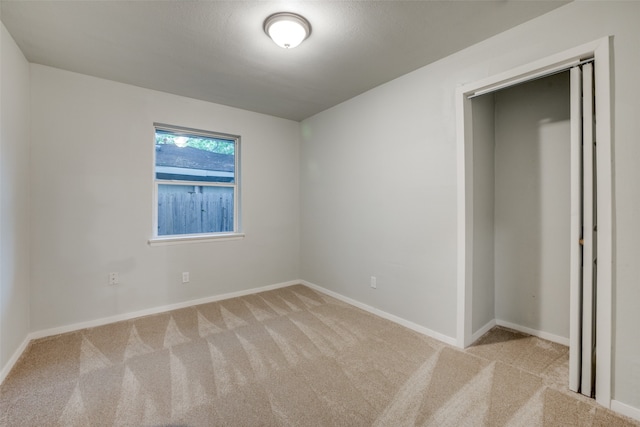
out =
column 194, row 238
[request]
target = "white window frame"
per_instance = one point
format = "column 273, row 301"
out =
column 198, row 237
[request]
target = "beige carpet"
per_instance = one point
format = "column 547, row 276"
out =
column 289, row 357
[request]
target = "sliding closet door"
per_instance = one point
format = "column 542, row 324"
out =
column 583, row 233
column 589, row 235
column 575, row 306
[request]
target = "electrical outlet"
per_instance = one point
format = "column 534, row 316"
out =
column 114, row 279
column 185, row 277
column 374, row 283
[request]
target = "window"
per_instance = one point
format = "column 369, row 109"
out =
column 196, row 182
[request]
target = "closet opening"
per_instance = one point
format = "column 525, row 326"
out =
column 535, row 209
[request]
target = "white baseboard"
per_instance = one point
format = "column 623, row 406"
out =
column 156, row 310
column 540, row 334
column 624, row 409
column 480, row 332
column 132, row 315
column 12, row 361
column 383, row 314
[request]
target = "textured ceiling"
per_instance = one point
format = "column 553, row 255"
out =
column 217, row 50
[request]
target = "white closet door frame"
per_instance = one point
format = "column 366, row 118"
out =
column 600, row 51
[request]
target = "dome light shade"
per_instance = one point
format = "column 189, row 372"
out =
column 286, row 29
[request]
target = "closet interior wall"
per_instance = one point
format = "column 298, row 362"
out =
column 521, row 190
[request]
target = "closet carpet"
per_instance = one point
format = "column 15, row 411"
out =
column 289, row 357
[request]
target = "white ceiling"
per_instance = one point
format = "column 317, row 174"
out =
column 217, row 50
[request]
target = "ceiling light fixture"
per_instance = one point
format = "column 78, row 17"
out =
column 286, row 29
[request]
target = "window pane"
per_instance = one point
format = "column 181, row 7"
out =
column 194, row 157
column 189, row 209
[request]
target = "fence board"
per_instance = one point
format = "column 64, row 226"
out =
column 190, row 210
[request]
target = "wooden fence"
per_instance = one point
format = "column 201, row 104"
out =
column 200, row 210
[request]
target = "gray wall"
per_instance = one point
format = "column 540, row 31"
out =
column 483, row 116
column 378, row 176
column 532, row 205
column 92, row 201
column 14, row 197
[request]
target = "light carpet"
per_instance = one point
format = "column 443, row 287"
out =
column 289, row 357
